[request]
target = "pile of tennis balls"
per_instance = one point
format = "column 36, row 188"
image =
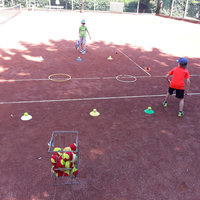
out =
column 63, row 161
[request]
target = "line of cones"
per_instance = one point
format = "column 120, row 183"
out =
column 93, row 113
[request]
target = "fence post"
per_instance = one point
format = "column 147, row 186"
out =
column 158, row 7
column 82, row 7
column 138, row 6
column 186, row 7
column 172, row 6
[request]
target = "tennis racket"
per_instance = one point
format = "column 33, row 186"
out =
column 77, row 45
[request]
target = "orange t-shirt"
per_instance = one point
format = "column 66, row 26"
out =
column 179, row 75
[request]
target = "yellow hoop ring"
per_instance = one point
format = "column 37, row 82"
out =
column 51, row 77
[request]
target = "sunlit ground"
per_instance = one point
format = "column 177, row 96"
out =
column 173, row 37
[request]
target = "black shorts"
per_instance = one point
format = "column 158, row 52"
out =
column 179, row 93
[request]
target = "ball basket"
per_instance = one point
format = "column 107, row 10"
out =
column 59, row 145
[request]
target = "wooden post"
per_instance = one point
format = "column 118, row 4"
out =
column 138, row 6
column 172, row 6
column 186, row 7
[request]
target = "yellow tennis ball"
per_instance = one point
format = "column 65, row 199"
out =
column 74, row 171
column 53, row 161
column 25, row 114
column 52, row 170
column 149, row 108
column 57, row 149
column 66, row 173
column 67, row 149
column 65, row 156
column 67, row 164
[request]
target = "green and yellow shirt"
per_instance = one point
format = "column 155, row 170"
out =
column 82, row 31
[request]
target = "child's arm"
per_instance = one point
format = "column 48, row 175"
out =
column 167, row 77
column 88, row 33
column 187, row 85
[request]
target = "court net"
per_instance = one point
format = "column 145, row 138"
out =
column 8, row 13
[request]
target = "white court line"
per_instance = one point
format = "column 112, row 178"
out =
column 86, row 78
column 20, row 80
column 133, row 61
column 88, row 99
column 161, row 76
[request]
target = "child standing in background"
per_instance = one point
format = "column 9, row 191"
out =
column 82, row 37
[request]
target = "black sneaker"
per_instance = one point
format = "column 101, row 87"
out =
column 180, row 113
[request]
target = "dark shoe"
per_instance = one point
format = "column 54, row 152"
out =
column 165, row 104
column 180, row 113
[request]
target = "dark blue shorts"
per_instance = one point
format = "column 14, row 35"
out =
column 179, row 93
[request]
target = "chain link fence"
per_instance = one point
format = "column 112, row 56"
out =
column 141, row 6
column 183, row 9
column 187, row 9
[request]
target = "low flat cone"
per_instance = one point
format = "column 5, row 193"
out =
column 26, row 117
column 109, row 58
column 149, row 111
column 78, row 59
column 94, row 113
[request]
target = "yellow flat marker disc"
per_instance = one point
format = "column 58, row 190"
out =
column 26, row 117
column 94, row 113
column 109, row 58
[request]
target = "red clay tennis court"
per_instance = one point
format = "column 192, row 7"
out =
column 124, row 153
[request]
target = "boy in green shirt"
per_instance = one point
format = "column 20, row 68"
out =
column 82, row 35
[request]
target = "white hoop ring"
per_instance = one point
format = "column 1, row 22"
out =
column 120, row 77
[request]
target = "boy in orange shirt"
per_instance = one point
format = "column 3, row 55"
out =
column 177, row 83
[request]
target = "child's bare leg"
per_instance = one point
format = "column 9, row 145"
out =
column 81, row 47
column 84, row 47
column 167, row 97
column 181, row 104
